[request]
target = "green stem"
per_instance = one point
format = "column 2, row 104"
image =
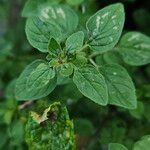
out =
column 84, row 47
column 93, row 63
column 99, row 53
column 95, row 54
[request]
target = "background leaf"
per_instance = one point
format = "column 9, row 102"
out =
column 144, row 143
column 135, row 48
column 116, row 146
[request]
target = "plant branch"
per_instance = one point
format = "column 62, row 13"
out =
column 24, row 105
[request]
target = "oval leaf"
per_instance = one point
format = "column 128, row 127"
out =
column 36, row 81
column 91, row 84
column 135, row 48
column 52, row 21
column 121, row 90
column 75, row 42
column 66, row 69
column 105, row 27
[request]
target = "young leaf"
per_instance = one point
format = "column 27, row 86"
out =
column 56, row 21
column 116, row 146
column 121, row 90
column 53, row 46
column 53, row 130
column 75, row 42
column 135, row 48
column 66, row 69
column 105, row 27
column 36, row 81
column 81, row 59
column 91, row 84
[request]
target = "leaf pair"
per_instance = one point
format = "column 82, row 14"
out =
column 110, row 84
column 73, row 43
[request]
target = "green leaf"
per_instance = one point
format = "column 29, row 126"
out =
column 81, row 59
column 110, row 57
column 135, row 48
column 53, row 46
column 74, row 2
column 17, row 132
column 139, row 111
column 117, row 130
column 146, row 90
column 36, row 81
column 143, row 144
column 32, row 7
column 83, row 127
column 66, row 69
column 52, row 130
column 3, row 137
column 121, row 90
column 57, row 21
column 116, row 146
column 10, row 93
column 75, row 42
column 105, row 27
column 91, row 84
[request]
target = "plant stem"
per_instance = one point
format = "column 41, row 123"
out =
column 84, row 47
column 93, row 63
column 99, row 53
column 24, row 105
column 95, row 54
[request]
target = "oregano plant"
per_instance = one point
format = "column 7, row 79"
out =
column 70, row 52
column 74, row 75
